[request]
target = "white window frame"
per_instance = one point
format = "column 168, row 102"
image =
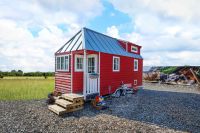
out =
column 135, row 69
column 95, row 58
column 135, row 82
column 76, row 57
column 133, row 50
column 115, row 57
column 67, row 67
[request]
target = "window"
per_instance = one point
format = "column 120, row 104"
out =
column 66, row 66
column 135, row 82
column 91, row 65
column 116, row 63
column 62, row 63
column 134, row 49
column 135, row 65
column 58, row 63
column 78, row 63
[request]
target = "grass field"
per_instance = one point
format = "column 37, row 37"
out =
column 25, row 88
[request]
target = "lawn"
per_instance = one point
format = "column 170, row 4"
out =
column 25, row 88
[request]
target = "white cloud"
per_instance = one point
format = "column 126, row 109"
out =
column 21, row 49
column 172, row 58
column 164, row 27
column 113, row 31
column 112, row 14
column 184, row 9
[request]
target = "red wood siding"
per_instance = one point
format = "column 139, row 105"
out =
column 77, row 76
column 123, row 44
column 63, row 78
column 113, row 79
column 108, row 78
column 129, row 48
column 63, row 82
column 77, row 82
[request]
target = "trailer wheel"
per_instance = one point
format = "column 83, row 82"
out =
column 118, row 93
column 123, row 93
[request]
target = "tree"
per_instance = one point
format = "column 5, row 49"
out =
column 19, row 73
column 13, row 73
column 1, row 74
column 45, row 75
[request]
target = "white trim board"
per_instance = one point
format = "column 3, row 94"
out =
column 133, row 50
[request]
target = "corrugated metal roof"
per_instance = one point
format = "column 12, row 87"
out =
column 97, row 42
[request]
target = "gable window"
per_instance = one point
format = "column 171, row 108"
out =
column 78, row 63
column 134, row 49
column 62, row 63
column 116, row 63
column 135, row 65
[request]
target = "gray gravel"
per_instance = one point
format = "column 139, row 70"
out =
column 150, row 110
column 173, row 88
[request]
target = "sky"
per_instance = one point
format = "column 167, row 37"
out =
column 32, row 30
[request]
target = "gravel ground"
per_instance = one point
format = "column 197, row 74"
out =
column 174, row 88
column 150, row 111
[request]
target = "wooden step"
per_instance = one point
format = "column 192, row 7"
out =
column 57, row 109
column 75, row 98
column 75, row 108
column 64, row 103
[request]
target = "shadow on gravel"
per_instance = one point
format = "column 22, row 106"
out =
column 174, row 110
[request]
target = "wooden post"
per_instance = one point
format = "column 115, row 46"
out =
column 84, row 74
column 71, row 71
column 195, row 76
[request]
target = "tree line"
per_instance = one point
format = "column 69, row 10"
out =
column 16, row 73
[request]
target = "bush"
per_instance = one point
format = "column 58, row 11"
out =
column 168, row 70
column 1, row 76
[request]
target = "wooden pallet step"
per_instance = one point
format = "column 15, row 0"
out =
column 64, row 103
column 75, row 105
column 57, row 109
column 75, row 98
column 75, row 101
column 74, row 109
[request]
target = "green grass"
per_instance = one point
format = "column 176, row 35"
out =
column 25, row 88
column 168, row 70
column 24, row 77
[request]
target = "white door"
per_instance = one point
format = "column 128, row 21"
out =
column 92, row 82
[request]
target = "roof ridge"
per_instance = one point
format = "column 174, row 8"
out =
column 118, row 39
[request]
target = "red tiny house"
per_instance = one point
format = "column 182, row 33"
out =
column 91, row 62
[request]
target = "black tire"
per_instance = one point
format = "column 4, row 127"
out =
column 118, row 93
column 123, row 92
column 50, row 95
